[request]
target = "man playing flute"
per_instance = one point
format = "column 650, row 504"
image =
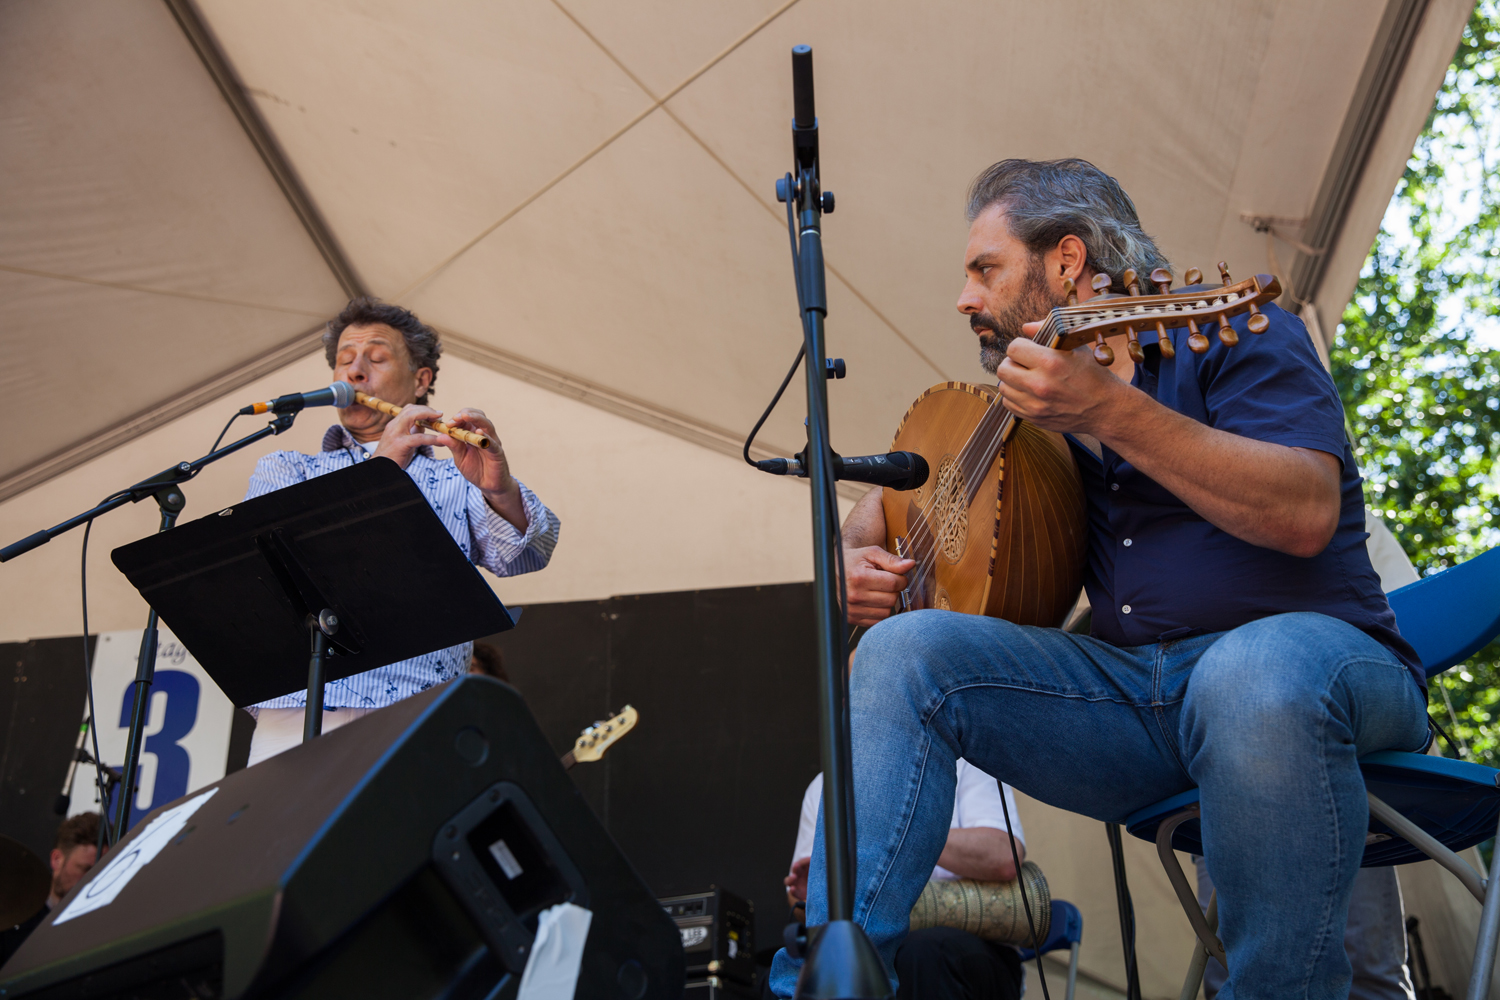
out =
column 385, row 351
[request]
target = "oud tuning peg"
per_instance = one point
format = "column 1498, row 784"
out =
column 1227, row 336
column 1162, row 279
column 1258, row 322
column 1193, row 276
column 1103, row 353
column 1132, row 282
column 1197, row 343
column 1070, row 291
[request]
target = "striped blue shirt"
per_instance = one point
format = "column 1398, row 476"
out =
column 488, row 539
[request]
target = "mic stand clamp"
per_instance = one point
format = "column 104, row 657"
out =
column 165, row 488
column 319, row 628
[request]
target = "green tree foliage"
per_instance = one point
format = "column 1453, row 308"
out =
column 1417, row 358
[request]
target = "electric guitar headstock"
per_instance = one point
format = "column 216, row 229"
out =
column 1110, row 314
column 599, row 737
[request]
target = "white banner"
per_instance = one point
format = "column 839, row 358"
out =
column 187, row 723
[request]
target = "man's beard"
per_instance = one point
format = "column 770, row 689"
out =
column 1032, row 304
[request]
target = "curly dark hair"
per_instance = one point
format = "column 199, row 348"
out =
column 422, row 342
column 77, row 831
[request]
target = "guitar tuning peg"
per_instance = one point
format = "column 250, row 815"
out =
column 1258, row 322
column 1131, row 281
column 1101, row 283
column 1162, row 279
column 1070, row 291
column 1193, row 276
column 1224, row 273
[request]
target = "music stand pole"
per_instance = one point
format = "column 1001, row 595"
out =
column 166, row 488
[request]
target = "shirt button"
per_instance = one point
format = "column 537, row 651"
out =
column 1114, row 486
column 1127, row 543
column 1125, row 608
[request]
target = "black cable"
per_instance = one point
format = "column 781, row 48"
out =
column 1127, row 911
column 1444, row 734
column 88, row 679
column 791, row 228
column 1036, row 944
column 801, row 353
column 223, row 432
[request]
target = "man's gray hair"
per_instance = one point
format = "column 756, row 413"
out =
column 1045, row 200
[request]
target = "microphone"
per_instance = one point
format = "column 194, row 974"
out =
column 804, row 120
column 900, row 470
column 340, row 394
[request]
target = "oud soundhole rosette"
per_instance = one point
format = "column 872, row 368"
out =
column 950, row 510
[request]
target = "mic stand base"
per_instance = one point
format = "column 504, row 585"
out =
column 841, row 964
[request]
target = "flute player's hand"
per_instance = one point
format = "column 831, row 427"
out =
column 401, row 437
column 488, row 468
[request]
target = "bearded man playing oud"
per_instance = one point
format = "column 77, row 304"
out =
column 1241, row 642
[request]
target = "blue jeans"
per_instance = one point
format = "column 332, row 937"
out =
column 1267, row 720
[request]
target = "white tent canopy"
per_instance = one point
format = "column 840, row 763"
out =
column 580, row 192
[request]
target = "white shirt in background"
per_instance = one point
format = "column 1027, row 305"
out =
column 976, row 802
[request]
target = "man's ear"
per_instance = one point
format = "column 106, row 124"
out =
column 57, row 859
column 1073, row 259
column 424, row 381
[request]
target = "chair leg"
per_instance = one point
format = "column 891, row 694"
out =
column 1185, row 894
column 1489, row 932
column 1072, row 969
column 1428, row 845
column 1199, row 964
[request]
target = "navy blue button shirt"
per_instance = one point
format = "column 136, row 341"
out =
column 1158, row 571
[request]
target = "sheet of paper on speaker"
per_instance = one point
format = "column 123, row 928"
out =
column 556, row 955
column 130, row 857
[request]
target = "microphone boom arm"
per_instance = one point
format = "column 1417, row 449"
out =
column 168, row 477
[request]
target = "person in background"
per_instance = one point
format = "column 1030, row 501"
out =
column 945, row 963
column 73, row 854
column 488, row 661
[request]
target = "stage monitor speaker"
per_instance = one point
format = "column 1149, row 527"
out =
column 409, row 854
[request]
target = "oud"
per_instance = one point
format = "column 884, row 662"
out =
column 999, row 527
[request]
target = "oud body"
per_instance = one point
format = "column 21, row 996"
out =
column 999, row 528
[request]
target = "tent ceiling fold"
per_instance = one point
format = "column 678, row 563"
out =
column 585, row 188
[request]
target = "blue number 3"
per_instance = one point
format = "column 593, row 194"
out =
column 181, row 690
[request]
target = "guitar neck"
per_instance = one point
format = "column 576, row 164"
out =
column 568, row 760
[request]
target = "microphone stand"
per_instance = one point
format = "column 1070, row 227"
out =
column 165, row 488
column 840, row 963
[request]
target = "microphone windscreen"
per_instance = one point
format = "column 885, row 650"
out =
column 343, row 394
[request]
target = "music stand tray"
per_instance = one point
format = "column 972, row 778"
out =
column 237, row 587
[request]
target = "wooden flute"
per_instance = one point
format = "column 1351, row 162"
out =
column 457, row 433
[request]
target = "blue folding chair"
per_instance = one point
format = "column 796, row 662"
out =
column 1066, row 932
column 1420, row 806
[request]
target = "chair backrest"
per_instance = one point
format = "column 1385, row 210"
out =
column 1450, row 616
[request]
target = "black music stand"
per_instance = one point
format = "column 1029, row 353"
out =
column 354, row 565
